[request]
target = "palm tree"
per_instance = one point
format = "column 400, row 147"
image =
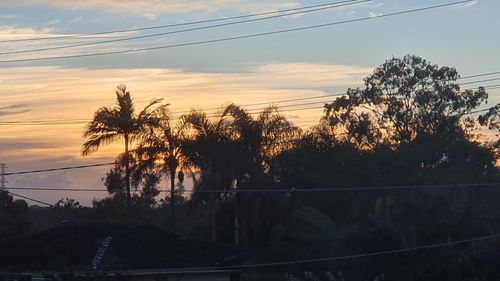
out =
column 160, row 150
column 235, row 148
column 209, row 147
column 263, row 137
column 259, row 139
column 111, row 124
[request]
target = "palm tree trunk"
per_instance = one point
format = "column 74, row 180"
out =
column 236, row 220
column 172, row 197
column 213, row 211
column 127, row 170
column 241, row 235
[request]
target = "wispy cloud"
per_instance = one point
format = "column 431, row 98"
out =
column 13, row 106
column 8, row 32
column 262, row 7
column 151, row 8
column 351, row 11
column 16, row 144
column 471, row 3
column 373, row 14
column 74, row 93
column 14, row 109
column 45, row 48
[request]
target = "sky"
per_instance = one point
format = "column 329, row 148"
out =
column 306, row 63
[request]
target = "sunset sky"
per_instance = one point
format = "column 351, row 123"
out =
column 299, row 64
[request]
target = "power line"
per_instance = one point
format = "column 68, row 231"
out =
column 214, row 114
column 478, row 111
column 67, row 210
column 59, row 169
column 84, row 121
column 479, row 75
column 313, row 260
column 113, row 163
column 73, row 122
column 370, row 254
column 435, row 187
column 311, row 98
column 29, row 198
column 237, row 37
column 47, row 123
column 346, row 189
column 173, row 25
column 480, row 81
column 179, row 31
column 60, row 189
column 274, row 102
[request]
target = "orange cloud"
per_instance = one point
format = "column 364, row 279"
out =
column 58, row 93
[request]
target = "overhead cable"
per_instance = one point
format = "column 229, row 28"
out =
column 214, row 114
column 59, row 169
column 129, row 38
column 434, row 187
column 225, row 39
column 127, row 30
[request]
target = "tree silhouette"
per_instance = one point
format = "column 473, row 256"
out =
column 491, row 120
column 261, row 138
column 209, row 147
column 234, row 149
column 14, row 216
column 160, row 151
column 121, row 121
column 258, row 140
column 403, row 98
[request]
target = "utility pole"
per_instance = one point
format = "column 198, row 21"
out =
column 3, row 182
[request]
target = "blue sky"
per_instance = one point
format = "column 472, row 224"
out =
column 459, row 36
column 292, row 65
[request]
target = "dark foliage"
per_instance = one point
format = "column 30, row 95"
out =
column 409, row 126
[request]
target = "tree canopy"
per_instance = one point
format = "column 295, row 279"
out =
column 404, row 98
column 121, row 121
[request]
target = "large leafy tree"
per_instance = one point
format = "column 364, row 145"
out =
column 110, row 124
column 403, row 98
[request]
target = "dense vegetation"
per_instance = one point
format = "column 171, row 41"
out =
column 411, row 125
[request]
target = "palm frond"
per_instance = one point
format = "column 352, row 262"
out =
column 125, row 103
column 145, row 112
column 97, row 140
column 199, row 122
column 267, row 113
